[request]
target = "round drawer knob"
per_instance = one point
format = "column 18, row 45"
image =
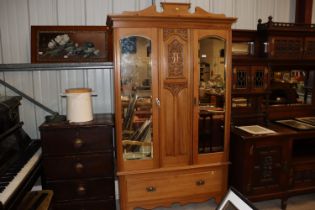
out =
column 200, row 182
column 81, row 190
column 151, row 189
column 79, row 167
column 78, row 143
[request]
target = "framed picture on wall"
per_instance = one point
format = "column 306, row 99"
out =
column 234, row 200
column 51, row 44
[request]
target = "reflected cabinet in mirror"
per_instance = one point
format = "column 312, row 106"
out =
column 291, row 87
column 211, row 94
column 136, row 97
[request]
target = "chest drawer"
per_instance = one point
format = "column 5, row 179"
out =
column 76, row 140
column 83, row 166
column 162, row 187
column 82, row 189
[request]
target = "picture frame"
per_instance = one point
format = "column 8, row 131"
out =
column 234, row 200
column 63, row 44
column 297, row 125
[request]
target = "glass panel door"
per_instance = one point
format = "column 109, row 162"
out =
column 211, row 95
column 136, row 97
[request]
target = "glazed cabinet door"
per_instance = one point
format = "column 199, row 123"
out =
column 211, row 95
column 259, row 79
column 136, row 98
column 241, row 79
column 176, row 97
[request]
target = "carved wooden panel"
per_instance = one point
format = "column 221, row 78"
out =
column 267, row 168
column 175, row 108
column 309, row 48
column 286, row 47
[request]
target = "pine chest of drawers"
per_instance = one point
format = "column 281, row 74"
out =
column 78, row 163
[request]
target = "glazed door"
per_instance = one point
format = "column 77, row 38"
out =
column 241, row 79
column 136, row 91
column 175, row 97
column 212, row 96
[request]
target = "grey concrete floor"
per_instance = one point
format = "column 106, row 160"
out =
column 302, row 202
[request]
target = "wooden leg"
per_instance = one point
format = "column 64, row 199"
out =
column 284, row 203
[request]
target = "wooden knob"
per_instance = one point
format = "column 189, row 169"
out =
column 78, row 143
column 79, row 167
column 200, row 182
column 81, row 190
column 151, row 189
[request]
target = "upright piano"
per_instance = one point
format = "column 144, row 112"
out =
column 19, row 156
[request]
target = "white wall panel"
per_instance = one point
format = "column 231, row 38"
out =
column 265, row 8
column 123, row 5
column 223, row 7
column 1, row 55
column 43, row 12
column 46, row 86
column 71, row 12
column 245, row 13
column 23, row 81
column 202, row 4
column 14, row 23
column 100, row 81
column 142, row 4
column 97, row 11
column 282, row 11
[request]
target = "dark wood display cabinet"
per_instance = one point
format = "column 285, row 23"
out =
column 286, row 40
column 78, row 163
column 272, row 166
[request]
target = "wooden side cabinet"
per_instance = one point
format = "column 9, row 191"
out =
column 78, row 163
column 259, row 166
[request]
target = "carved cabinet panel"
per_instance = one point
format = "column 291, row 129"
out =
column 309, row 48
column 175, row 80
column 285, row 47
column 268, row 165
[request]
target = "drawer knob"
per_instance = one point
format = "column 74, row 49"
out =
column 200, row 182
column 151, row 189
column 78, row 143
column 81, row 190
column 79, row 167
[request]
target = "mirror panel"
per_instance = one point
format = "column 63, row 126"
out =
column 211, row 94
column 136, row 97
column 291, row 87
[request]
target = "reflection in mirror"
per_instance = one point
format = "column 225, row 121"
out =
column 211, row 94
column 136, row 97
column 291, row 87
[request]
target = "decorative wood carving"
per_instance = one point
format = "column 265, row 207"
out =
column 183, row 33
column 175, row 59
column 175, row 87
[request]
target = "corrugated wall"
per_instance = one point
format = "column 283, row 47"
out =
column 16, row 17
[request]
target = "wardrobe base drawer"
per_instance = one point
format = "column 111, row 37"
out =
column 177, row 185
